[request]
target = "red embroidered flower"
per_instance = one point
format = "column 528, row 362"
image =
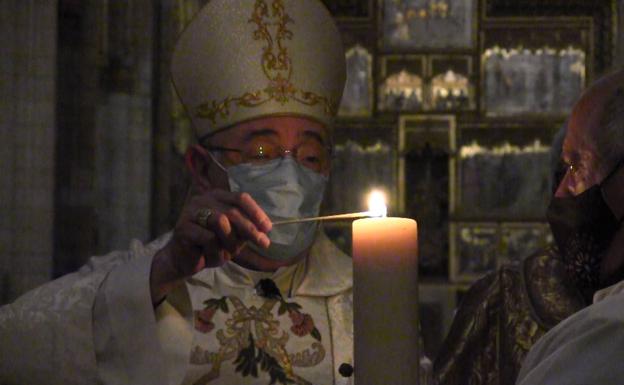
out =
column 302, row 323
column 203, row 319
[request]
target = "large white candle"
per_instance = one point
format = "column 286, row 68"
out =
column 385, row 284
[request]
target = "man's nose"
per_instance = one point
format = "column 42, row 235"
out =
column 565, row 188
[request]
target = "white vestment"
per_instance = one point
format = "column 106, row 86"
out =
column 98, row 325
column 584, row 349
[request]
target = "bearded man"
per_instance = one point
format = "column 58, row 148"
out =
column 507, row 311
column 226, row 297
column 586, row 219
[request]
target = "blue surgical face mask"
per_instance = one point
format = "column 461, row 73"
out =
column 285, row 190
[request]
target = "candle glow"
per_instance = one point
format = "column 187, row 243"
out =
column 377, row 204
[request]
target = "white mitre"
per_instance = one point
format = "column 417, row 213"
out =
column 243, row 59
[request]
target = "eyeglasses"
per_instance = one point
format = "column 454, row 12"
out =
column 310, row 154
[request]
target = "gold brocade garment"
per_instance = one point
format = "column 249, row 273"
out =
column 501, row 318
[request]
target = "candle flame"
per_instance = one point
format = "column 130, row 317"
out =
column 377, row 204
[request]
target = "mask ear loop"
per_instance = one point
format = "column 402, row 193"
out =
column 603, row 184
column 201, row 141
column 214, row 159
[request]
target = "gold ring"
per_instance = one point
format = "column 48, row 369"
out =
column 202, row 216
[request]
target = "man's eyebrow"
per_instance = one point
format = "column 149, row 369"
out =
column 262, row 132
column 314, row 135
column 568, row 158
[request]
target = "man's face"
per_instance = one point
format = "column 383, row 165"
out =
column 264, row 138
column 585, row 166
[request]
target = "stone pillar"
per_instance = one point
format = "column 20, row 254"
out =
column 123, row 128
column 76, row 223
column 27, row 135
column 618, row 61
column 172, row 128
column 105, row 128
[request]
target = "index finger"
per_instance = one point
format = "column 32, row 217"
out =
column 248, row 206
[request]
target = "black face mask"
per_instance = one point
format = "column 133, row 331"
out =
column 583, row 227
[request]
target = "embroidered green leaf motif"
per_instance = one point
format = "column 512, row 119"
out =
column 223, row 305
column 316, row 334
column 276, row 372
column 287, row 307
column 219, row 303
column 248, row 360
column 294, row 306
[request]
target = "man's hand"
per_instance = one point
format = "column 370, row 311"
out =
column 212, row 228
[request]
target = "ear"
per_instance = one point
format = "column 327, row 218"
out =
column 198, row 163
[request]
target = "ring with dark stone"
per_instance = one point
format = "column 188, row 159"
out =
column 201, row 217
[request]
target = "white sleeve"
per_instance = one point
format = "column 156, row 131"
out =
column 584, row 349
column 175, row 333
column 46, row 334
column 133, row 344
column 96, row 325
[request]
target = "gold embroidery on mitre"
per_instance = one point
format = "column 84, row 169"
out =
column 277, row 67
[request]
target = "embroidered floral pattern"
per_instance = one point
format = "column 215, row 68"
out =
column 302, row 323
column 276, row 66
column 250, row 357
column 253, row 339
column 203, row 318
